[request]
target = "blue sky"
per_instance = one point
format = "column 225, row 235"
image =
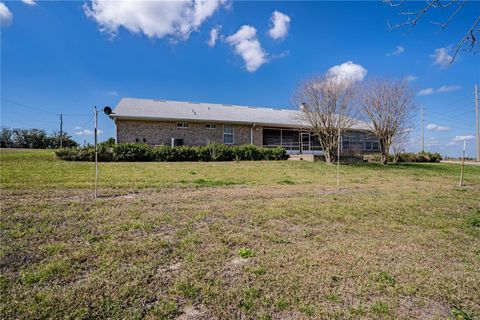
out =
column 66, row 57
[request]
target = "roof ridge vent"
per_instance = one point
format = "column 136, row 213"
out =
column 159, row 100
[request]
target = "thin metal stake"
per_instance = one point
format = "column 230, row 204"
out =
column 462, row 166
column 338, row 159
column 96, row 152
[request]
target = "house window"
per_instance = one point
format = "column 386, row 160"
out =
column 144, row 140
column 136, row 139
column 210, row 126
column 227, row 134
column 182, row 125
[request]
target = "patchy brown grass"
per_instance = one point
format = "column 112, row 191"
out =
column 395, row 242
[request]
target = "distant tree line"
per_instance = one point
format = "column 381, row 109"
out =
column 34, row 139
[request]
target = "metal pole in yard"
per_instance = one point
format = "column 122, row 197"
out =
column 61, row 131
column 462, row 166
column 96, row 153
column 476, row 121
column 338, row 159
column 421, row 125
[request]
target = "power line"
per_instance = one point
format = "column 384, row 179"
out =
column 41, row 109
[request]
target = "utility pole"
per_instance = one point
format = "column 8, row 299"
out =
column 96, row 152
column 476, row 120
column 421, row 125
column 61, row 130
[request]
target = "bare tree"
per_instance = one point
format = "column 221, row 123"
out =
column 413, row 17
column 399, row 143
column 325, row 103
column 388, row 106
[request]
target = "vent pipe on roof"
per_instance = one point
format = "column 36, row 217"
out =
column 303, row 106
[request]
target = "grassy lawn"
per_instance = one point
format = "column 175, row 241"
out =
column 259, row 240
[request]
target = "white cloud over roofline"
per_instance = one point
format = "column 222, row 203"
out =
column 280, row 24
column 155, row 19
column 441, row 57
column 29, row 2
column 214, row 35
column 347, row 71
column 436, row 127
column 398, row 51
column 245, row 43
column 6, row 15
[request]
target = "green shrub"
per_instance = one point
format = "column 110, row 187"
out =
column 420, row 157
column 74, row 154
column 163, row 153
column 407, row 157
column 248, row 152
column 184, row 153
column 108, row 151
column 276, row 153
column 132, row 152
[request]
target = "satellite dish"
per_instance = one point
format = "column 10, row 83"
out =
column 107, row 110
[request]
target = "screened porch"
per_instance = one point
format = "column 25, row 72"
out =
column 298, row 141
column 294, row 141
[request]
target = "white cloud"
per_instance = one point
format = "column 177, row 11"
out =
column 436, row 127
column 426, row 92
column 431, row 142
column 29, row 2
column 6, row 16
column 85, row 132
column 347, row 71
column 442, row 89
column 280, row 24
column 398, row 51
column 441, row 57
column 462, row 138
column 214, row 34
column 112, row 93
column 448, row 88
column 411, row 78
column 246, row 45
column 155, row 19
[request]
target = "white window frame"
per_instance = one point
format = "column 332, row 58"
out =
column 210, row 126
column 182, row 125
column 225, row 126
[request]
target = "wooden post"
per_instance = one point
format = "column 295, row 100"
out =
column 462, row 166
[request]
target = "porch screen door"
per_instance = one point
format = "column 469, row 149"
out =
column 305, row 142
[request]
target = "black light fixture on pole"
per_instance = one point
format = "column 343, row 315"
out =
column 108, row 111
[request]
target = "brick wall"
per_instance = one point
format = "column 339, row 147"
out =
column 161, row 132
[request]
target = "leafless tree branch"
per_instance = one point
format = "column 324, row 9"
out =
column 326, row 104
column 414, row 17
column 388, row 106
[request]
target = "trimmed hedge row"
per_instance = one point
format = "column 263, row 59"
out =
column 408, row 157
column 420, row 157
column 142, row 152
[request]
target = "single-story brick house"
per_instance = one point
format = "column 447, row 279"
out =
column 162, row 122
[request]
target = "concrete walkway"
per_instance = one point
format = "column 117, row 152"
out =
column 459, row 162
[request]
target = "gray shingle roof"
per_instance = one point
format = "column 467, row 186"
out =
column 148, row 109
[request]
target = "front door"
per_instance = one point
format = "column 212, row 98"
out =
column 305, row 142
